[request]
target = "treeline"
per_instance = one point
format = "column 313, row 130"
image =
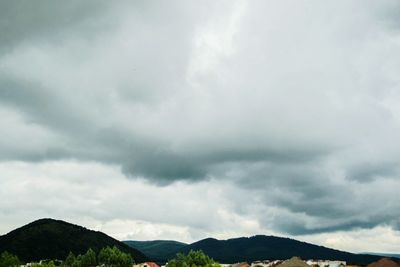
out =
column 9, row 260
column 108, row 257
column 111, row 257
column 195, row 258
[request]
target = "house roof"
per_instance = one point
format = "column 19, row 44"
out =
column 384, row 262
column 294, row 262
column 151, row 264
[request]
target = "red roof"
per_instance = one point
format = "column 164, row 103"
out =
column 151, row 264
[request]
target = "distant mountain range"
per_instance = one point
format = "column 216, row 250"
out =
column 54, row 239
column 250, row 249
column 158, row 250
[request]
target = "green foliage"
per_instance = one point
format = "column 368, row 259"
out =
column 111, row 257
column 44, row 264
column 77, row 262
column 114, row 257
column 192, row 259
column 69, row 261
column 158, row 250
column 8, row 260
column 52, row 239
column 86, row 260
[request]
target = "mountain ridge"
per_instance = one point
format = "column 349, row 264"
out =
column 156, row 249
column 261, row 247
column 53, row 239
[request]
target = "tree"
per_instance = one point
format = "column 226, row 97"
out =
column 69, row 261
column 9, row 260
column 88, row 259
column 113, row 257
column 49, row 264
column 44, row 264
column 78, row 261
column 192, row 259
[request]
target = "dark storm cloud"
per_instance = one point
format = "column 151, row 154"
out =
column 39, row 105
column 294, row 112
column 296, row 227
column 315, row 202
column 26, row 21
column 373, row 170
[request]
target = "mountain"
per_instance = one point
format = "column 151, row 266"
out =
column 157, row 250
column 54, row 239
column 262, row 247
column 271, row 247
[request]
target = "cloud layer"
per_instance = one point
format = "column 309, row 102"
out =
column 286, row 113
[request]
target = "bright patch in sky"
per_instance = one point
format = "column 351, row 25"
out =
column 186, row 120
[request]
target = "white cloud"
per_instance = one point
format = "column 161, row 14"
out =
column 378, row 239
column 100, row 197
column 292, row 104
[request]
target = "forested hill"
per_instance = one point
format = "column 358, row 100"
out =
column 271, row 247
column 54, row 239
column 157, row 250
column 263, row 247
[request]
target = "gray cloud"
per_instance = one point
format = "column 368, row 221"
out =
column 48, row 21
column 300, row 114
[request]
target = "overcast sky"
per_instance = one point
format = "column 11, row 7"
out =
column 191, row 119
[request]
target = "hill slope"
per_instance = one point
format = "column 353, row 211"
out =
column 157, row 250
column 259, row 248
column 271, row 247
column 54, row 239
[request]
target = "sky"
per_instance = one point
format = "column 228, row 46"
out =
column 191, row 119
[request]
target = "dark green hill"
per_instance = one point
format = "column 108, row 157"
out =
column 157, row 250
column 258, row 248
column 271, row 247
column 54, row 239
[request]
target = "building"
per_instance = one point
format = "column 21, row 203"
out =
column 326, row 263
column 293, row 262
column 241, row 264
column 146, row 264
